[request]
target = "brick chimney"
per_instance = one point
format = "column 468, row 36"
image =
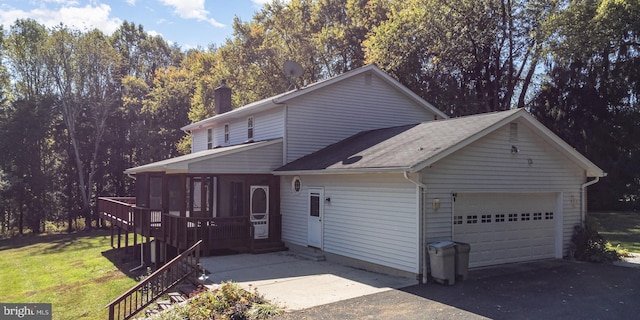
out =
column 222, row 98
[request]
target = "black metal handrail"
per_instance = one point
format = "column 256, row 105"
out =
column 157, row 284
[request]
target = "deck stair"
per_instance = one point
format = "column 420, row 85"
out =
column 268, row 246
column 184, row 267
column 182, row 294
column 311, row 254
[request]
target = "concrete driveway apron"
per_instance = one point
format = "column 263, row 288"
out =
column 297, row 283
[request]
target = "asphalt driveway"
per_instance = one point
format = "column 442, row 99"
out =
column 554, row 289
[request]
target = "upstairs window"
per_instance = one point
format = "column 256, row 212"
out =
column 210, row 138
column 226, row 133
column 250, row 128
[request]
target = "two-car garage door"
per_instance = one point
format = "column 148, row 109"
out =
column 506, row 227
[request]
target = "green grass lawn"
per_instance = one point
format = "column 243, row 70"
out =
column 619, row 228
column 77, row 273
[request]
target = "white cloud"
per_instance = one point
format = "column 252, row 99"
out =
column 81, row 18
column 191, row 9
column 63, row 2
column 131, row 2
column 154, row 33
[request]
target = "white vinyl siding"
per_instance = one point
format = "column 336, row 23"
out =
column 255, row 161
column 372, row 218
column 198, row 140
column 331, row 114
column 266, row 125
column 488, row 166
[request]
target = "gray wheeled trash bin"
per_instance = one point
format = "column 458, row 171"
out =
column 462, row 260
column 442, row 261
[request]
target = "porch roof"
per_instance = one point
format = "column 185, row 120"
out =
column 181, row 164
column 411, row 148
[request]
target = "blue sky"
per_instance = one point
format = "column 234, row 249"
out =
column 189, row 23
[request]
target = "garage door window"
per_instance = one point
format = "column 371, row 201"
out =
column 488, row 218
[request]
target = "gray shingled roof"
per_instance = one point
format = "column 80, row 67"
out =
column 397, row 148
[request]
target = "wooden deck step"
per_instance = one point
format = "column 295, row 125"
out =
column 177, row 297
column 164, row 304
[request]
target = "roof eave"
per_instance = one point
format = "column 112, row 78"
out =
column 182, row 166
column 340, row 171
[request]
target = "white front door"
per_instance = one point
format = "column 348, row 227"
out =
column 315, row 215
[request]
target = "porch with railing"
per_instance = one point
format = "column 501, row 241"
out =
column 180, row 233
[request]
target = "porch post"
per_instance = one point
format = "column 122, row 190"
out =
column 126, row 240
column 119, row 233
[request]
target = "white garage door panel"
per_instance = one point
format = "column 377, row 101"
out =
column 506, row 227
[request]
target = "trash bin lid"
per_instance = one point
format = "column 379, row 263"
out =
column 442, row 244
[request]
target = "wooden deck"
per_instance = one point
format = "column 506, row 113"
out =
column 180, row 233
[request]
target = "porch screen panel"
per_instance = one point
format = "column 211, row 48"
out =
column 155, row 193
column 176, row 198
column 197, row 192
column 237, row 199
column 142, row 187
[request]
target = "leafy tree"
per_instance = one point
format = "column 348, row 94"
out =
column 167, row 108
column 84, row 71
column 24, row 130
column 590, row 97
column 29, row 155
column 465, row 56
column 340, row 27
column 142, row 55
column 25, row 56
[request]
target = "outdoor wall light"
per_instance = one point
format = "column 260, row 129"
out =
column 436, row 204
column 327, row 199
column 514, row 150
column 530, row 161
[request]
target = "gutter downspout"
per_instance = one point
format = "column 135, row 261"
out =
column 141, row 258
column 422, row 258
column 583, row 205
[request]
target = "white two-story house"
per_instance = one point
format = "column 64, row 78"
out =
column 359, row 168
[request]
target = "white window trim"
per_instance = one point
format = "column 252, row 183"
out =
column 250, row 127
column 209, row 138
column 227, row 133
